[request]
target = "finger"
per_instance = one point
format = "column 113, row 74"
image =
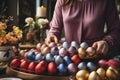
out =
column 55, row 39
column 94, row 45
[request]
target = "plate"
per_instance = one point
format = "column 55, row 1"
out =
column 30, row 76
column 10, row 78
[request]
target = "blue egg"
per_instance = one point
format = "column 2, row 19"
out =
column 84, row 45
column 75, row 44
column 67, row 60
column 91, row 66
column 31, row 55
column 82, row 65
column 49, row 57
column 54, row 50
column 62, row 69
column 39, row 57
column 65, row 45
column 58, row 59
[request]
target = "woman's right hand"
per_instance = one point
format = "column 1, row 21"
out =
column 51, row 38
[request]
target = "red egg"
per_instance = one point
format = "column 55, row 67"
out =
column 31, row 67
column 52, row 68
column 15, row 63
column 41, row 67
column 113, row 63
column 75, row 59
column 24, row 66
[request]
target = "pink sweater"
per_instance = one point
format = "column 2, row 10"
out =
column 85, row 21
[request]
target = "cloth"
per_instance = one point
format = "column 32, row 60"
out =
column 85, row 21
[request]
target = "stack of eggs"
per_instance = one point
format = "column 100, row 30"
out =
column 52, row 59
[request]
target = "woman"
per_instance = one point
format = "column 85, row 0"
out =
column 84, row 21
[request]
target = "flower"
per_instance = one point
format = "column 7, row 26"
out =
column 9, row 37
column 42, row 22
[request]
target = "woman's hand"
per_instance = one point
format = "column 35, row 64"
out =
column 101, row 46
column 51, row 38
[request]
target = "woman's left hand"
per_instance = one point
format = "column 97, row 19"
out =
column 101, row 46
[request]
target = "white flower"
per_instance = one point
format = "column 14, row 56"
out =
column 42, row 21
column 29, row 20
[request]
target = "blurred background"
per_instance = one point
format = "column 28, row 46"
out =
column 20, row 9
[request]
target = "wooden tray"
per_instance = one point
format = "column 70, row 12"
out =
column 29, row 76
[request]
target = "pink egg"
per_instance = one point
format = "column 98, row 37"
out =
column 91, row 51
column 72, row 51
column 72, row 68
column 63, row 52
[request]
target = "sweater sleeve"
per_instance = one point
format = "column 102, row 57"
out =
column 113, row 25
column 56, row 23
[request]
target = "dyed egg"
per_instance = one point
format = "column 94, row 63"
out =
column 82, row 75
column 81, row 52
column 31, row 55
column 38, row 46
column 54, row 50
column 91, row 66
column 42, row 47
column 62, row 69
column 31, row 67
column 41, row 67
column 91, row 51
column 52, row 68
column 101, row 72
column 67, row 60
column 45, row 50
column 84, row 45
column 65, row 45
column 49, row 57
column 72, row 68
column 112, row 74
column 72, row 50
column 82, row 65
column 39, row 57
column 75, row 44
column 58, row 60
column 63, row 52
column 75, row 59
column 113, row 63
column 103, row 63
column 94, row 76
